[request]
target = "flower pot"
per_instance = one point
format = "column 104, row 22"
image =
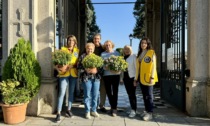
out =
column 14, row 114
column 63, row 68
column 91, row 70
column 115, row 72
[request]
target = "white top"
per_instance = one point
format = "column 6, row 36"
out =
column 131, row 60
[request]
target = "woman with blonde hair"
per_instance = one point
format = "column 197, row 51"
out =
column 90, row 79
column 128, row 78
column 69, row 78
column 111, row 80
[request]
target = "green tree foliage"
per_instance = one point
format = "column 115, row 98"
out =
column 139, row 14
column 120, row 50
column 92, row 27
column 23, row 66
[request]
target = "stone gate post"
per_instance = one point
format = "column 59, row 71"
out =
column 198, row 57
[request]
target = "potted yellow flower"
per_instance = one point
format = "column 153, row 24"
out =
column 92, row 61
column 116, row 64
column 61, row 58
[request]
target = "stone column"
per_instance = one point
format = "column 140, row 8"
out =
column 196, row 87
column 47, row 98
column 208, row 84
column 35, row 21
column 149, row 19
column 156, row 30
column 153, row 26
column 71, row 18
column 208, row 97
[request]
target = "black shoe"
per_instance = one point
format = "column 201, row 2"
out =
column 103, row 109
column 69, row 114
column 58, row 118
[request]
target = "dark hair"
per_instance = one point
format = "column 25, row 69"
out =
column 149, row 45
column 97, row 34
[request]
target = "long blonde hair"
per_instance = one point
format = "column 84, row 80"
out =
column 74, row 38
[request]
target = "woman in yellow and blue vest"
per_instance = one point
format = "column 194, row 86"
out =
column 69, row 78
column 146, row 74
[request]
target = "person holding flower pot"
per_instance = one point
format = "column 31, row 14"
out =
column 89, row 66
column 111, row 79
column 68, row 78
column 146, row 75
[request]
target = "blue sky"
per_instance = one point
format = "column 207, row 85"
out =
column 116, row 22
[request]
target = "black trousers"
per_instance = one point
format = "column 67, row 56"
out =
column 131, row 90
column 147, row 92
column 112, row 85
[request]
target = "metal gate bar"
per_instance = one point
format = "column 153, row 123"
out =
column 173, row 52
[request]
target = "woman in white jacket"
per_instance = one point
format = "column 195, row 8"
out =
column 128, row 78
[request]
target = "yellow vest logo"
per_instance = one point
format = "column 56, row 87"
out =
column 147, row 59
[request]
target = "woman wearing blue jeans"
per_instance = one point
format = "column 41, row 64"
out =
column 90, row 79
column 69, row 78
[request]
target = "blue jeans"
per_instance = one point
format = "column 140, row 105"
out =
column 91, row 92
column 65, row 82
column 147, row 92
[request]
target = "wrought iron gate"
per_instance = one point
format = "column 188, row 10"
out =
column 173, row 21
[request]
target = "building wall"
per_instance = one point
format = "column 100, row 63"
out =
column 35, row 20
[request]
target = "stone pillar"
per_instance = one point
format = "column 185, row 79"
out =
column 208, row 84
column 149, row 19
column 153, row 26
column 35, row 21
column 47, row 97
column 196, row 87
column 208, row 98
column 156, row 30
column 71, row 18
column 18, row 21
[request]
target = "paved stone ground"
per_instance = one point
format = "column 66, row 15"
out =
column 164, row 115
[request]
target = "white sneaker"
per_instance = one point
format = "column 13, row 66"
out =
column 87, row 115
column 94, row 114
column 132, row 114
column 147, row 117
column 128, row 110
column 143, row 114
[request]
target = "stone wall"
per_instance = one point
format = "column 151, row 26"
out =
column 33, row 20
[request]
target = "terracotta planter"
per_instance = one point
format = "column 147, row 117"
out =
column 91, row 70
column 14, row 114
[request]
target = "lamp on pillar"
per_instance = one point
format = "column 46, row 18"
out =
column 130, row 37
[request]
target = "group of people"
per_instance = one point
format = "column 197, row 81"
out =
column 101, row 82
